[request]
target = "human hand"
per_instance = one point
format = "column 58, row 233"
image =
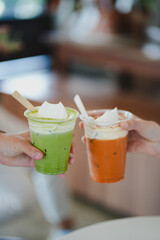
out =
column 16, row 150
column 143, row 137
column 72, row 151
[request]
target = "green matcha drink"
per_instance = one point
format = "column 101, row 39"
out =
column 53, row 137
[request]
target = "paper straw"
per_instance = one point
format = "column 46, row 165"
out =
column 23, row 101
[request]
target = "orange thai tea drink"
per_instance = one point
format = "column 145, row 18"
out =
column 106, row 144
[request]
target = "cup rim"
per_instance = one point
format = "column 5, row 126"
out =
column 126, row 113
column 51, row 120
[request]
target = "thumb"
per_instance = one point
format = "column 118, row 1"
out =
column 31, row 151
column 133, row 124
column 147, row 129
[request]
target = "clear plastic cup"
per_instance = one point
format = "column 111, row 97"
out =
column 54, row 139
column 106, row 147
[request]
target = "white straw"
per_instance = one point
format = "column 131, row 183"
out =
column 80, row 106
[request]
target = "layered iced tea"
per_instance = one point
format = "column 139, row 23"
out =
column 106, row 148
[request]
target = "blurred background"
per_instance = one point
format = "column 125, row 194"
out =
column 108, row 52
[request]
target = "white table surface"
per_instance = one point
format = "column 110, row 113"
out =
column 133, row 228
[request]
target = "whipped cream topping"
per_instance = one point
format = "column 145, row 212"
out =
column 109, row 117
column 49, row 110
column 103, row 127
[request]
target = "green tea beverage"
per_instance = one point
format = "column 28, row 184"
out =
column 53, row 136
